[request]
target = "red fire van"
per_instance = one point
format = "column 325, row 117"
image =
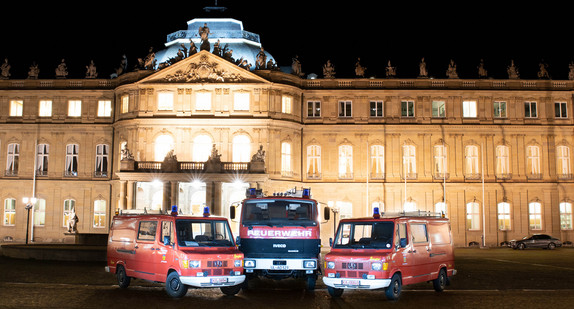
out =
column 182, row 251
column 389, row 251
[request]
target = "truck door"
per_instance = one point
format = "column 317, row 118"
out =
column 404, row 256
column 420, row 239
column 165, row 250
column 145, row 250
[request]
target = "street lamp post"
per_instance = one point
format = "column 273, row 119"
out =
column 29, row 204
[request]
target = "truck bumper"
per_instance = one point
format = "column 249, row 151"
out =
column 355, row 283
column 276, row 265
column 213, row 281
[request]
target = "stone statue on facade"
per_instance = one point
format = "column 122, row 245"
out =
column 148, row 63
column 512, row 71
column 423, row 69
column 192, row 48
column 214, row 157
column 183, row 50
column 73, row 223
column 261, row 60
column 217, row 48
column 259, row 156
column 204, row 35
column 91, row 70
column 122, row 69
column 34, row 71
column 5, row 68
column 451, row 71
column 543, row 71
column 328, row 70
column 359, row 69
column 62, row 70
column 391, row 71
column 126, row 154
column 482, row 73
column 296, row 67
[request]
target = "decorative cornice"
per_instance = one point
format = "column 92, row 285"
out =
column 203, row 71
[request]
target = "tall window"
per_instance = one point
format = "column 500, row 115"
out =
column 202, row 145
column 71, row 168
column 565, row 216
column 438, row 109
column 409, row 161
column 345, row 109
column 102, row 153
column 345, row 161
column 104, row 108
column 533, row 160
column 314, row 161
column 377, row 109
column 502, row 161
column 241, row 148
column 9, row 211
column 469, row 109
column 74, row 108
column 530, row 110
column 471, row 160
column 473, row 216
column 40, row 212
column 499, row 109
column 42, row 153
column 13, row 159
column 407, row 108
column 163, row 144
column 241, row 101
column 99, row 213
column 16, row 107
column 377, row 162
column 165, row 101
column 286, row 104
column 560, row 110
column 203, row 101
column 45, row 108
column 313, row 108
column 286, row 159
column 125, row 103
column 503, row 216
column 69, row 210
column 563, row 161
column 440, row 161
column 535, row 215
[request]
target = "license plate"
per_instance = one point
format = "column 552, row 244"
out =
column 350, row 282
column 218, row 280
column 280, row 267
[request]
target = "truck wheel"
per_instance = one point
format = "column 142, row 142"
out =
column 123, row 279
column 440, row 282
column 230, row 290
column 311, row 280
column 334, row 292
column 174, row 287
column 393, row 291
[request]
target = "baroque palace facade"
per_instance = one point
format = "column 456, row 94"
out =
column 494, row 155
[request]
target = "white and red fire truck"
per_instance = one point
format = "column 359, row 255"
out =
column 280, row 235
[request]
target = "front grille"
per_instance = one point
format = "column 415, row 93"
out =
column 216, row 263
column 353, row 274
column 217, row 271
column 352, row 265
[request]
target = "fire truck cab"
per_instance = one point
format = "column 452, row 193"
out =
column 180, row 251
column 389, row 251
column 280, row 236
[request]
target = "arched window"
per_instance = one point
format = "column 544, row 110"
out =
column 202, row 145
column 163, row 144
column 69, row 208
column 535, row 215
column 503, row 216
column 241, row 148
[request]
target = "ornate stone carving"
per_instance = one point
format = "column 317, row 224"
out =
column 203, row 71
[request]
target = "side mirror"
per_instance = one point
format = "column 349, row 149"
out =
column 327, row 213
column 330, row 242
column 231, row 212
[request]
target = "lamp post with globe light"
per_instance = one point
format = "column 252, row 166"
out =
column 29, row 205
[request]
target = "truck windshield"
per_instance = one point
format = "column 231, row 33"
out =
column 203, row 233
column 279, row 212
column 376, row 235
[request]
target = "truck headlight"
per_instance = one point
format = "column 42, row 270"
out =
column 331, row 265
column 249, row 263
column 194, row 264
column 309, row 264
column 237, row 263
column 376, row 266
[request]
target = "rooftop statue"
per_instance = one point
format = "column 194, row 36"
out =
column 296, row 67
column 5, row 68
column 204, row 35
column 513, row 71
column 62, row 70
column 423, row 69
column 91, row 70
column 34, row 71
column 192, row 48
column 451, row 71
column 122, row 69
column 482, row 73
column 571, row 71
column 261, row 60
column 328, row 70
column 149, row 62
column 359, row 69
column 391, row 70
column 543, row 72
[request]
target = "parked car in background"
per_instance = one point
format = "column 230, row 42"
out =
column 536, row 241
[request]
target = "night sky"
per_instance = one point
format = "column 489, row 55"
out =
column 315, row 31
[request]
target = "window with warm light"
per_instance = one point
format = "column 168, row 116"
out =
column 69, row 210
column 440, row 161
column 99, row 213
column 125, row 103
column 203, row 101
column 469, row 109
column 165, row 101
column 533, row 160
column 162, row 145
column 202, row 145
column 241, row 101
column 535, row 215
column 9, row 212
column 565, row 216
column 377, row 161
column 409, row 161
column 16, row 107
column 471, row 160
column 345, row 162
column 563, row 161
column 241, row 148
column 74, row 108
column 502, row 160
column 45, row 108
column 473, row 216
column 313, row 161
column 286, row 159
column 104, row 108
column 40, row 212
column 286, row 104
column 503, row 216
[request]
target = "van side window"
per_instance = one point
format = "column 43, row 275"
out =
column 419, row 231
column 440, row 233
column 402, row 239
column 147, row 230
column 166, row 232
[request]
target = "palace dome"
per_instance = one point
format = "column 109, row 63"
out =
column 229, row 32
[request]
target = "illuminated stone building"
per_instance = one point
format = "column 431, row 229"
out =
column 194, row 128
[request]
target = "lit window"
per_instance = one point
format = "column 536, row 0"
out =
column 203, row 101
column 69, row 210
column 241, row 101
column 345, row 161
column 286, row 159
column 9, row 211
column 533, row 160
column 165, row 101
column 74, row 108
column 530, row 110
column 560, row 110
column 241, row 148
column 409, row 161
column 410, row 206
column 563, row 161
column 314, row 109
column 104, row 108
column 535, row 215
column 376, row 108
column 503, row 216
column 499, row 109
column 40, row 212
column 163, row 144
column 471, row 160
column 71, row 168
column 440, row 208
column 313, row 161
column 345, row 109
column 502, row 160
column 438, row 109
column 377, row 161
column 45, row 108
column 407, row 108
column 440, row 160
column 286, row 104
column 16, row 108
column 202, row 145
column 125, row 103
column 99, row 213
column 565, row 216
column 13, row 159
column 469, row 109
column 472, row 216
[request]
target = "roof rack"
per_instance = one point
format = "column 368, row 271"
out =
column 416, row 213
column 139, row 212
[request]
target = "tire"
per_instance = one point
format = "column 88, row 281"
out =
column 393, row 291
column 230, row 290
column 334, row 292
column 174, row 287
column 440, row 282
column 311, row 281
column 123, row 279
column 521, row 246
column 551, row 246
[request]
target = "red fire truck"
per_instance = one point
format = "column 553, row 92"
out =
column 182, row 251
column 389, row 251
column 280, row 236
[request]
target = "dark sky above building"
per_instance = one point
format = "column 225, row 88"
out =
column 315, row 31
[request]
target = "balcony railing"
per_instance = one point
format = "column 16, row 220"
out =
column 190, row 166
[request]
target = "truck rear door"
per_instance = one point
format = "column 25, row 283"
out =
column 419, row 233
column 145, row 249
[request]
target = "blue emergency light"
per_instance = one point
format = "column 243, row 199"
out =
column 376, row 213
column 206, row 211
column 306, row 193
column 174, row 210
